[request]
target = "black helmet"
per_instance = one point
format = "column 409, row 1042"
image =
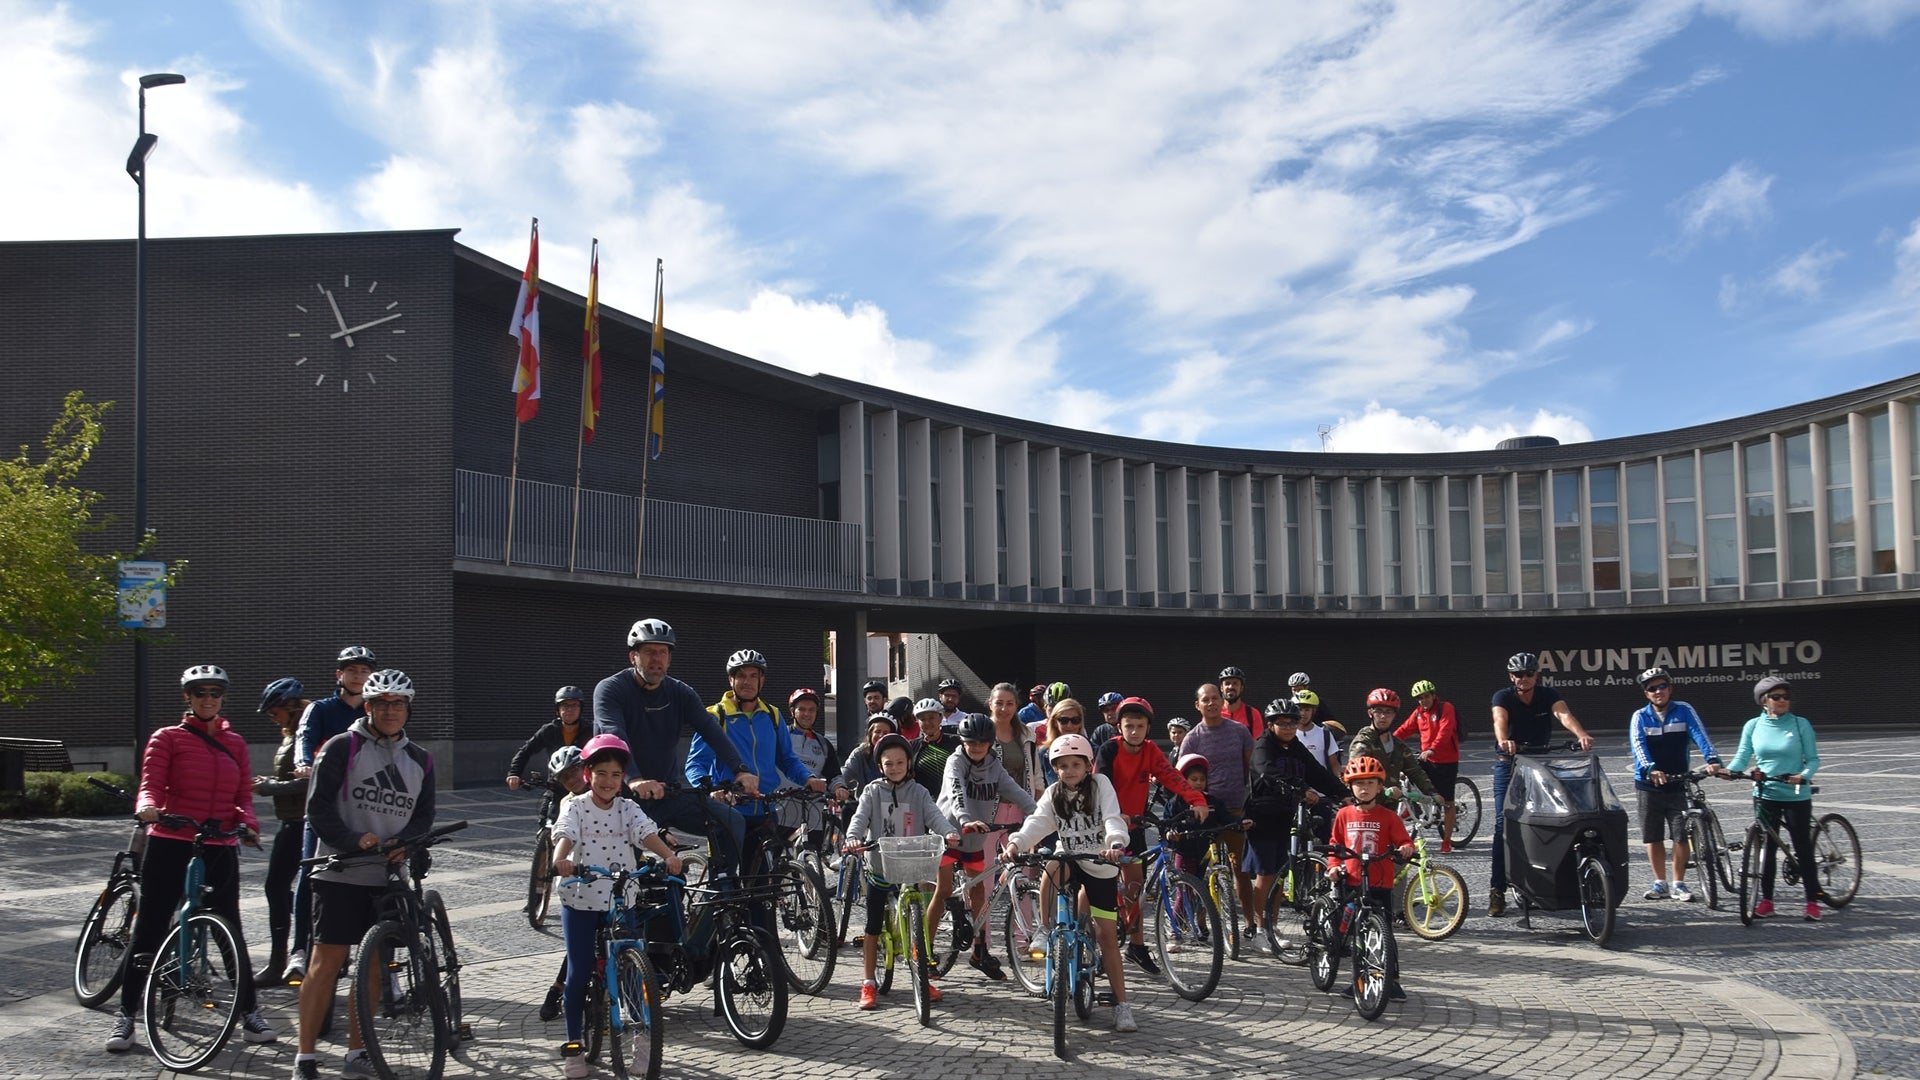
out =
column 1282, row 707
column 871, row 685
column 1766, row 686
column 948, row 684
column 901, row 709
column 356, row 654
column 279, row 692
column 647, row 631
column 892, row 740
column 1653, row 673
column 977, row 727
column 568, row 693
column 1522, row 662
column 746, row 658
column 1231, row 672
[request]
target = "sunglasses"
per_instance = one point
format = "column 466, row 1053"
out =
column 1070, row 720
column 1659, row 686
column 213, row 692
column 1779, row 697
column 1526, row 674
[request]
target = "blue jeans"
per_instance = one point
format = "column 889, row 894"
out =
column 1502, row 776
column 695, row 813
column 578, row 929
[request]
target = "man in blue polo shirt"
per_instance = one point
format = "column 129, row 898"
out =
column 1663, row 734
column 322, row 721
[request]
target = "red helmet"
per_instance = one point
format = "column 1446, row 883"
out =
column 802, row 694
column 1134, row 704
column 1383, row 696
column 1038, row 692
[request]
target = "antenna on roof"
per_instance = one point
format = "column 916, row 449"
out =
column 1326, row 434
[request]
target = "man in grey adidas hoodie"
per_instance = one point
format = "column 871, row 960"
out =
column 976, row 783
column 370, row 786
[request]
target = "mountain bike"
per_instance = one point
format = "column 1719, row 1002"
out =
column 192, row 999
column 1431, row 896
column 623, row 994
column 1707, row 842
column 106, row 933
column 1836, row 855
column 1424, row 812
column 908, row 862
column 1348, row 921
column 1073, row 953
column 1179, row 916
column 1305, row 873
column 1218, row 875
column 804, row 921
column 540, row 874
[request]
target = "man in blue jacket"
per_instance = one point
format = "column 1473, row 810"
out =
column 1660, row 735
column 755, row 729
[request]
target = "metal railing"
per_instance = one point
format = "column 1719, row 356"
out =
column 685, row 542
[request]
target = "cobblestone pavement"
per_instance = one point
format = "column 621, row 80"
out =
column 1683, row 989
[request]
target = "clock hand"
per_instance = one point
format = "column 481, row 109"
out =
column 344, row 331
column 336, row 317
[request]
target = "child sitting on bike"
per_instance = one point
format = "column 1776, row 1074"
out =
column 893, row 805
column 1189, row 852
column 1370, row 828
column 1083, row 809
column 600, row 829
column 976, row 785
column 1130, row 762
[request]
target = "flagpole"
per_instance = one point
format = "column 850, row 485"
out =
column 513, row 473
column 646, row 456
column 586, row 392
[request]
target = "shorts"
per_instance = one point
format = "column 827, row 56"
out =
column 1444, row 776
column 1663, row 814
column 1103, row 893
column 1266, row 853
column 1137, row 840
column 970, row 861
column 877, row 898
column 344, row 912
column 1236, row 840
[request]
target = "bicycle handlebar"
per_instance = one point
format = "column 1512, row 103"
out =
column 386, row 847
column 587, row 875
column 110, row 788
column 204, row 830
column 1537, row 749
column 1344, row 852
column 1040, row 858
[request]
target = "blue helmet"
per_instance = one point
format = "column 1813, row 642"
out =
column 279, row 692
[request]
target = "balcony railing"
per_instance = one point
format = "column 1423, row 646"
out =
column 685, row 542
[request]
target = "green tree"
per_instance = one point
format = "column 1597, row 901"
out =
column 58, row 604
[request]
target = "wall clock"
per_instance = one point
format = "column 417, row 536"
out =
column 347, row 334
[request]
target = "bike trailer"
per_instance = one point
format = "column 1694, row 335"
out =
column 1552, row 805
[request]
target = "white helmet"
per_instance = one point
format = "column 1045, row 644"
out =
column 1298, row 679
column 650, row 630
column 1068, row 746
column 388, row 681
column 746, row 658
column 567, row 757
column 929, row 705
column 200, row 673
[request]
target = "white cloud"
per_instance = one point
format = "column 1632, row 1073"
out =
column 1886, row 317
column 1381, row 430
column 1801, row 278
column 1736, row 199
column 1788, row 19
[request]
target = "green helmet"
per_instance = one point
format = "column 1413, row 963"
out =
column 1057, row 693
column 1425, row 686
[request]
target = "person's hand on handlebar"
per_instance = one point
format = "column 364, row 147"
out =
column 513, row 783
column 1114, row 854
column 151, row 814
column 564, row 867
column 647, row 789
column 1585, row 740
column 1200, row 813
column 749, row 782
column 817, row 784
column 1311, row 797
column 976, row 827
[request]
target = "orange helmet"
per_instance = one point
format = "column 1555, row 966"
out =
column 1364, row 768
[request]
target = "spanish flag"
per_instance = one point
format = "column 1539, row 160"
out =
column 590, row 348
column 526, row 327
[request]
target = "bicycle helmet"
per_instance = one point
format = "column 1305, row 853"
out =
column 1383, row 697
column 1108, row 698
column 947, row 684
column 279, row 692
column 1364, row 768
column 901, row 709
column 1306, row 697
column 873, row 685
column 1335, row 726
column 563, row 759
column 1069, row 746
column 1189, row 761
column 1424, row 687
column 204, row 673
column 1231, row 672
column 1766, row 686
column 882, row 718
column 746, row 658
column 977, row 727
column 929, row 705
column 1653, row 673
column 1282, row 707
column 569, row 693
column 1057, row 693
column 356, row 654
column 1136, row 704
column 1522, row 662
column 893, row 740
column 1181, row 722
column 605, row 746
column 648, row 631
column 802, row 694
column 389, row 681
column 1038, row 693
column 1297, row 680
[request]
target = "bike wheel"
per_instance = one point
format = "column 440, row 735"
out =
column 1185, row 928
column 1086, row 962
column 446, row 960
column 693, row 867
column 1375, row 964
column 1435, row 902
column 1752, row 854
column 1323, row 943
column 1836, row 858
column 1700, row 841
column 1060, row 985
column 752, row 988
column 951, row 934
column 540, row 881
column 399, row 1006
column 102, row 947
column 1596, row 899
column 593, row 1016
column 634, row 1019
column 850, row 893
column 193, row 994
column 1022, row 937
column 1466, row 810
column 1227, row 902
column 805, row 923
column 919, row 962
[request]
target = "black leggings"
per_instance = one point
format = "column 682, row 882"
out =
column 282, row 864
column 1797, row 818
column 163, row 870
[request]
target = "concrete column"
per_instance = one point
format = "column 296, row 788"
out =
column 1586, row 528
column 1442, row 539
column 1900, row 434
column 1777, row 444
column 986, row 510
column 1309, row 536
column 1740, row 515
column 1179, row 572
column 849, row 671
column 1860, row 445
column 1344, row 576
column 953, row 507
column 853, row 474
column 1046, row 481
column 1549, row 566
column 1510, row 484
column 1822, row 530
column 1019, row 516
column 1477, row 533
column 1080, row 509
column 916, row 480
column 1240, row 490
column 1113, row 496
column 1211, row 578
column 886, row 497
column 1146, row 535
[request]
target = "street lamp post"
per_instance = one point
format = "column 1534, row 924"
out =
column 137, row 168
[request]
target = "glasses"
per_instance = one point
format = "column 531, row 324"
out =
column 213, row 692
column 1065, row 720
column 1380, row 711
column 1779, row 696
column 387, row 703
column 1526, row 674
column 1659, row 687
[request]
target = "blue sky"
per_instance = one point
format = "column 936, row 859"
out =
column 1429, row 225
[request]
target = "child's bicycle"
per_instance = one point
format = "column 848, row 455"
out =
column 107, row 932
column 909, row 862
column 1073, row 953
column 1431, row 896
column 1836, row 856
column 623, row 993
column 1219, row 875
column 192, row 1000
column 1304, row 874
column 1180, row 916
column 1347, row 920
column 1424, row 812
column 540, row 874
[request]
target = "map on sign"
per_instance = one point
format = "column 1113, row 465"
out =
column 143, row 595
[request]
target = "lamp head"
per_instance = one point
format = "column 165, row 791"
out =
column 164, row 78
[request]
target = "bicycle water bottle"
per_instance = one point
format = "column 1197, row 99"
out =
column 1347, row 913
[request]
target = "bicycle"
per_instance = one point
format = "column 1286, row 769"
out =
column 1836, row 853
column 1219, row 876
column 804, row 923
column 1181, row 917
column 623, row 993
column 1346, row 919
column 1572, row 854
column 1430, row 896
column 540, row 874
column 107, row 931
column 1707, row 842
column 406, row 991
column 1422, row 811
column 192, row 999
column 908, row 862
column 1305, row 872
column 1073, row 953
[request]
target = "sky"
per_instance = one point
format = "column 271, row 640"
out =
column 1424, row 226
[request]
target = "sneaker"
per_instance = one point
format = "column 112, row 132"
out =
column 1174, row 944
column 869, row 996
column 1394, row 991
column 121, row 1040
column 1656, row 891
column 306, row 1069
column 1813, row 912
column 274, row 974
column 984, row 963
column 1142, row 959
column 1446, row 846
column 296, row 967
column 1763, row 909
column 1680, row 893
column 1496, row 903
column 574, row 1067
column 1123, row 1018
column 933, row 992
column 359, row 1066
column 255, row 1029
column 550, row 1008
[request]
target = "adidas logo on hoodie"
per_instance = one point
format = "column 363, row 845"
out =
column 385, row 788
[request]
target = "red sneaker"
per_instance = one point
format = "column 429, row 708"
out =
column 869, row 996
column 1763, row 909
column 933, row 992
column 1446, row 846
column 1813, row 912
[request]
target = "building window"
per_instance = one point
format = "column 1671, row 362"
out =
column 1459, row 537
column 1066, row 525
column 1357, row 496
column 1762, row 555
column 1569, row 569
column 1290, row 492
column 1225, row 488
column 1802, row 559
column 1840, row 531
column 1643, row 526
column 1722, row 509
column 1323, row 551
column 1425, row 539
column 933, row 497
column 1603, row 493
column 1683, row 524
column 1193, row 533
column 1033, row 526
column 1000, row 515
column 1133, row 544
column 1532, row 546
column 1493, row 512
column 1396, row 583
column 1880, row 492
column 1261, row 578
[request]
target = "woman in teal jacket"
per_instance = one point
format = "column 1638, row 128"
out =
column 1779, row 743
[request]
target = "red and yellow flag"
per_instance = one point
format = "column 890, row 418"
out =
column 657, row 418
column 526, row 327
column 590, row 348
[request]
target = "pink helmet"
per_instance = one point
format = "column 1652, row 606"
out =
column 1069, row 745
column 601, row 745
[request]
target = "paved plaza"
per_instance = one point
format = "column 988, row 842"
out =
column 1683, row 991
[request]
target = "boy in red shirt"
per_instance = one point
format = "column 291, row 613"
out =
column 1370, row 828
column 1130, row 762
column 1439, row 731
